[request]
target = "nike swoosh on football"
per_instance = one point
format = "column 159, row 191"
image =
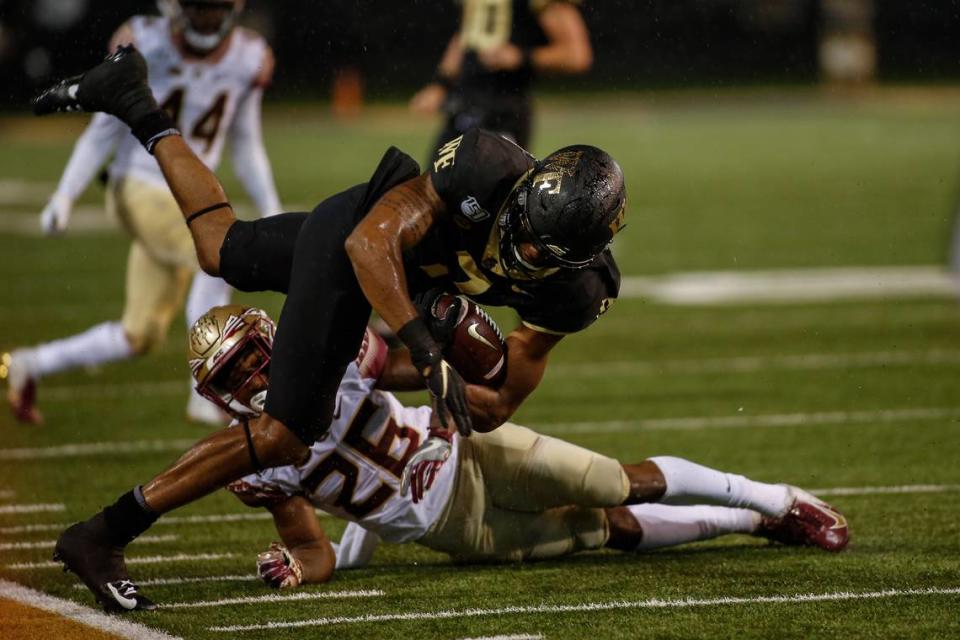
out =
column 472, row 331
column 123, row 601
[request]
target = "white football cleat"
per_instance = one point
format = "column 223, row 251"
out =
column 202, row 411
column 18, row 370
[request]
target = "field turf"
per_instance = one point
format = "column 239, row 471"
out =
column 857, row 398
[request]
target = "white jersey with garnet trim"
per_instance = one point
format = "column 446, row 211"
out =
column 354, row 469
column 202, row 95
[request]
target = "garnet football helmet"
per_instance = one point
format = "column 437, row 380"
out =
column 229, row 353
column 204, row 23
column 569, row 208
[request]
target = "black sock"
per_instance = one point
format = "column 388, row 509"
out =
column 128, row 517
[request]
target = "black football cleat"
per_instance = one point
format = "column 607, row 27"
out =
column 86, row 549
column 61, row 97
column 118, row 86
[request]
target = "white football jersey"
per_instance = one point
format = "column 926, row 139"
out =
column 354, row 469
column 203, row 96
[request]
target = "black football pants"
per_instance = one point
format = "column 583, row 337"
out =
column 325, row 313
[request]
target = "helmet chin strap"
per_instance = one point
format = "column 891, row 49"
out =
column 258, row 401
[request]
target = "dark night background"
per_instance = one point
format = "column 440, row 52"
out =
column 638, row 43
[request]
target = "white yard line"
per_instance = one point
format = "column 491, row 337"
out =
column 654, row 603
column 793, row 285
column 178, row 520
column 82, row 449
column 263, row 515
column 172, row 520
column 517, row 636
column 752, row 364
column 113, row 625
column 606, row 426
column 26, row 222
column 277, row 597
column 732, row 365
column 31, row 508
column 44, row 544
column 178, row 557
column 870, row 491
column 116, row 390
column 163, row 582
column 738, row 421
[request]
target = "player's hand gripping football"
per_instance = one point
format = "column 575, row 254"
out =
column 278, row 568
column 117, row 86
column 447, row 389
column 441, row 327
column 425, row 463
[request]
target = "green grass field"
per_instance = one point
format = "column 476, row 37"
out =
column 846, row 397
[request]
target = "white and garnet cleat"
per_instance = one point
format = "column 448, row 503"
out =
column 808, row 522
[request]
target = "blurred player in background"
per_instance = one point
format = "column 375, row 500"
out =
column 486, row 73
column 507, row 495
column 209, row 74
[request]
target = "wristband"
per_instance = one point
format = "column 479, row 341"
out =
column 152, row 127
column 444, row 81
column 442, row 433
column 424, row 351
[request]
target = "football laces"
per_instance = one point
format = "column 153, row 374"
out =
column 486, row 316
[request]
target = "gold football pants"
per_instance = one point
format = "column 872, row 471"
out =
column 161, row 262
column 520, row 495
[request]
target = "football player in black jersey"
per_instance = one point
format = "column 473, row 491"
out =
column 485, row 74
column 486, row 220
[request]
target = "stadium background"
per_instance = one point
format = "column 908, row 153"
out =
column 829, row 202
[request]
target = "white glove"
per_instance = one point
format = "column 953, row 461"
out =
column 425, row 463
column 56, row 215
column 278, row 568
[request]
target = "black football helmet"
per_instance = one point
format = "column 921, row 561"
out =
column 569, row 208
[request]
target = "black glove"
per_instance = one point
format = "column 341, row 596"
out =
column 441, row 328
column 117, row 86
column 447, row 389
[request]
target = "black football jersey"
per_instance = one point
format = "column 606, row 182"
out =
column 474, row 174
column 488, row 23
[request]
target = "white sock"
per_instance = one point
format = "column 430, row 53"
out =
column 691, row 483
column 206, row 291
column 104, row 342
column 667, row 526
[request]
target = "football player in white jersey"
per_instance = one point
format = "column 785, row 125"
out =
column 209, row 74
column 510, row 494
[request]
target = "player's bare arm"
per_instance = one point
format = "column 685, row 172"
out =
column 568, row 50
column 305, row 539
column 398, row 221
column 201, row 198
column 429, row 99
column 527, row 355
column 399, row 374
column 122, row 37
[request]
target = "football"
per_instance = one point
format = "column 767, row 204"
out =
column 477, row 349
